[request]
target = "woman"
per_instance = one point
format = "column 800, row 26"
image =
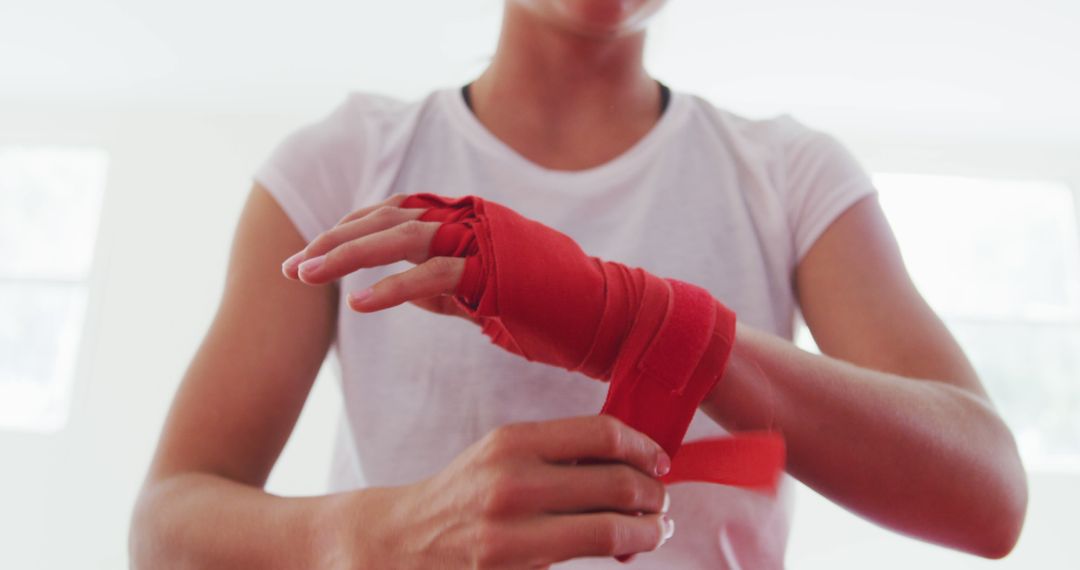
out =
column 458, row 454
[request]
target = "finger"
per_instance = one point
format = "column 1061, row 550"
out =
column 600, row 437
column 381, row 218
column 594, row 488
column 406, row 241
column 564, row 537
column 392, row 200
column 436, row 276
column 444, row 305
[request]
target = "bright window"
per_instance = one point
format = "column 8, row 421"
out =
column 999, row 260
column 50, row 201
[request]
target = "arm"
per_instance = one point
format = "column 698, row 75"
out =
column 525, row 496
column 893, row 422
column 234, row 411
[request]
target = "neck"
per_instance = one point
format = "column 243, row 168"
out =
column 565, row 100
column 556, row 74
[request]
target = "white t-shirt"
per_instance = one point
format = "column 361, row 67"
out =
column 706, row 196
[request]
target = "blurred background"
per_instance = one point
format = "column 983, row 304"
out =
column 129, row 132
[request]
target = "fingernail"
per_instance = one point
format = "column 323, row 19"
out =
column 667, row 502
column 360, row 296
column 663, row 464
column 667, row 527
column 292, row 262
column 312, row 264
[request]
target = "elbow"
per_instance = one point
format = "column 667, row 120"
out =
column 996, row 489
column 146, row 543
column 986, row 502
column 1004, row 504
column 140, row 533
column 1001, row 533
column 999, row 544
column 989, row 528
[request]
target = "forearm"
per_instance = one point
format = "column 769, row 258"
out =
column 923, row 457
column 203, row 521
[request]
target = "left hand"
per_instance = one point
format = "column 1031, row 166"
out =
column 382, row 234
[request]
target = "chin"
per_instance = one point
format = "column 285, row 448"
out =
column 601, row 18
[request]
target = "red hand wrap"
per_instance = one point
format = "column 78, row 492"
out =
column 662, row 343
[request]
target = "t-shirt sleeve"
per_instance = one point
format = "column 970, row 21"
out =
column 822, row 180
column 314, row 172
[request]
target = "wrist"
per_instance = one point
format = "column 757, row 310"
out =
column 329, row 546
column 745, row 397
column 355, row 529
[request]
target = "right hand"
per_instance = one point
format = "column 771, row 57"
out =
column 526, row 496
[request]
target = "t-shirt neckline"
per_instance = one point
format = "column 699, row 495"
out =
column 649, row 144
